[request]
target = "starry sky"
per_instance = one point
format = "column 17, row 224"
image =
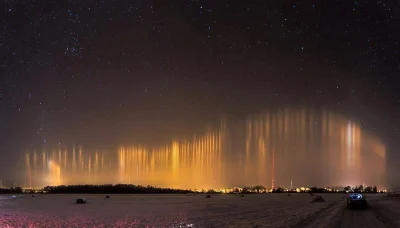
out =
column 102, row 73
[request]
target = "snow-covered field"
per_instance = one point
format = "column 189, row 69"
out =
column 266, row 210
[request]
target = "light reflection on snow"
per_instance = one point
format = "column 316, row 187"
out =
column 169, row 211
column 122, row 211
column 184, row 225
column 14, row 219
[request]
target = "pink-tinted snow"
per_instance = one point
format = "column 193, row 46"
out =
column 264, row 210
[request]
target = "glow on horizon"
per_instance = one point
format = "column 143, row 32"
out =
column 185, row 164
column 55, row 173
column 275, row 148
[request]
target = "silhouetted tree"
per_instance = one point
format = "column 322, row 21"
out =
column 368, row 189
column 212, row 191
column 258, row 188
column 278, row 190
column 245, row 190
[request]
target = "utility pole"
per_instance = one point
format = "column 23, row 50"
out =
column 1, row 183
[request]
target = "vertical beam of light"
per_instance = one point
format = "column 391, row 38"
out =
column 59, row 156
column 273, row 169
column 286, row 140
column 272, row 148
column 324, row 147
column 73, row 159
column 96, row 162
column 121, row 160
column 261, row 161
column 35, row 159
column 248, row 148
column 303, row 131
column 268, row 155
column 29, row 168
column 44, row 163
column 89, row 165
column 102, row 161
column 349, row 142
column 175, row 161
column 65, row 160
column 80, row 158
column 34, row 169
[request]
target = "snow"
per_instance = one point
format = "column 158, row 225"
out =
column 264, row 210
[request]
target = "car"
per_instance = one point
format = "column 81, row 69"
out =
column 356, row 200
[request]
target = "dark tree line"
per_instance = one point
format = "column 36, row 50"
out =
column 311, row 190
column 112, row 189
column 15, row 190
column 360, row 188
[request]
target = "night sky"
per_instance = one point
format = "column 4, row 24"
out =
column 104, row 73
